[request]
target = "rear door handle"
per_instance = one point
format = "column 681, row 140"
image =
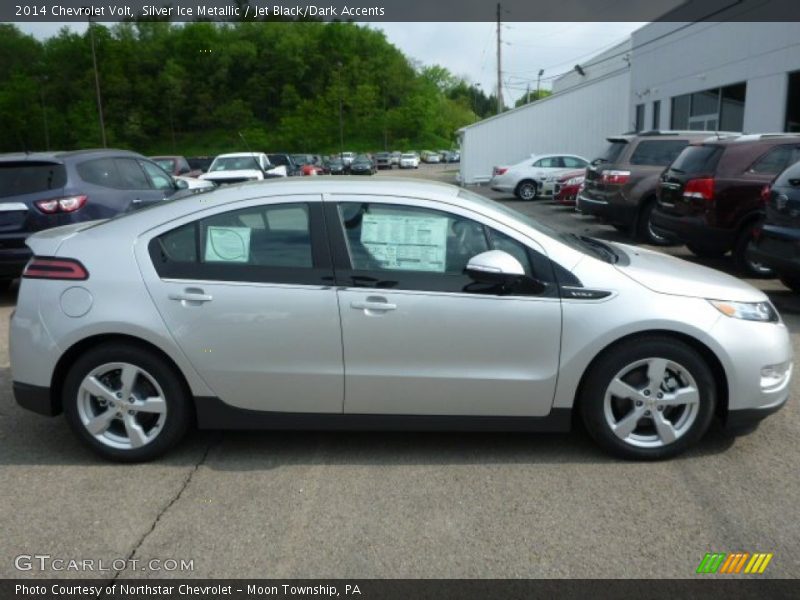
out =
column 376, row 303
column 191, row 296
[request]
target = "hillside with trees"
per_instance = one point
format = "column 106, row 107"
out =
column 191, row 88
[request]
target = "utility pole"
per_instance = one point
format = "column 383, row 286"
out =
column 97, row 85
column 499, row 69
column 341, row 111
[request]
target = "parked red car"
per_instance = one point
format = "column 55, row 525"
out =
column 566, row 188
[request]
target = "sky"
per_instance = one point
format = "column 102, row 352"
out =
column 469, row 49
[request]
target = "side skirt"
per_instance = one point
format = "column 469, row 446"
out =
column 213, row 413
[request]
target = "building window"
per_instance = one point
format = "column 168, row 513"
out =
column 717, row 109
column 656, row 115
column 793, row 103
column 639, row 125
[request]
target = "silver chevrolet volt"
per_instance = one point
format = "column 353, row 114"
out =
column 381, row 304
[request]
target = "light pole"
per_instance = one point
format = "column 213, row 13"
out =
column 97, row 84
column 539, row 83
column 42, row 82
column 341, row 114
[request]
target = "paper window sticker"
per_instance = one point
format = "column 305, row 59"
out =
column 406, row 242
column 228, row 244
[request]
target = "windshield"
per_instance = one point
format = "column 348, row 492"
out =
column 582, row 244
column 164, row 163
column 611, row 153
column 235, row 163
column 407, row 156
column 362, row 158
column 302, row 159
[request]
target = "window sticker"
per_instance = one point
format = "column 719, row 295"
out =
column 228, row 244
column 405, row 242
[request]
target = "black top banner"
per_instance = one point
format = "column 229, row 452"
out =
column 399, row 10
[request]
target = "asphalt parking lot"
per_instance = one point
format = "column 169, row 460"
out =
column 365, row 505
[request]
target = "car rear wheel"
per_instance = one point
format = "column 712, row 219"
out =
column 743, row 259
column 125, row 403
column 527, row 190
column 645, row 231
column 649, row 400
column 702, row 251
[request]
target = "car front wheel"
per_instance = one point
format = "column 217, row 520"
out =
column 649, row 400
column 125, row 403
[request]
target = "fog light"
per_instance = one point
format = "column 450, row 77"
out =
column 774, row 376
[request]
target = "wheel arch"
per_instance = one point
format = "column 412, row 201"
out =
column 645, row 199
column 708, row 355
column 69, row 357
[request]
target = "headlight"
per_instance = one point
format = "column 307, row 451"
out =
column 749, row 311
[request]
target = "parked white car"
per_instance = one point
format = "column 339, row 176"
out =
column 347, row 158
column 428, row 156
column 409, row 160
column 535, row 175
column 238, row 167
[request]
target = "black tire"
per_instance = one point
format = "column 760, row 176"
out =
column 644, row 228
column 705, row 251
column 526, row 190
column 600, row 375
column 742, row 260
column 179, row 412
column 791, row 281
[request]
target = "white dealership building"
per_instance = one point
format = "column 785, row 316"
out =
column 724, row 75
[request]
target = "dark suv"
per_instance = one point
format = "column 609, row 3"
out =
column 777, row 242
column 620, row 185
column 709, row 198
column 43, row 190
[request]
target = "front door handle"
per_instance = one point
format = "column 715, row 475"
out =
column 376, row 303
column 191, row 296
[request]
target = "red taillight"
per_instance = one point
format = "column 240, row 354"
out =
column 54, row 268
column 616, row 177
column 699, row 188
column 500, row 170
column 764, row 197
column 68, row 204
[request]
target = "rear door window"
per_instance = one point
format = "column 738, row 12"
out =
column 777, row 159
column 158, row 177
column 657, row 153
column 131, row 176
column 572, row 162
column 20, row 178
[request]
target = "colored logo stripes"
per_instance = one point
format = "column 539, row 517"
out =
column 735, row 563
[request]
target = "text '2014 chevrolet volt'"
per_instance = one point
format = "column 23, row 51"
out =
column 381, row 304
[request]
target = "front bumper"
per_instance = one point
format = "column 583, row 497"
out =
column 740, row 422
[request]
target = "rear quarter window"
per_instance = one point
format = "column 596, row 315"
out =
column 657, row 153
column 20, row 178
column 611, row 153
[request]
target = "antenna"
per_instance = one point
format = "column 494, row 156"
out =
column 252, row 155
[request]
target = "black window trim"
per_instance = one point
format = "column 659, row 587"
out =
column 346, row 276
column 320, row 274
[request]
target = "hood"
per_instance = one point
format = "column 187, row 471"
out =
column 234, row 174
column 669, row 275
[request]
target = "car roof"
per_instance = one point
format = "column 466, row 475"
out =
column 62, row 156
column 239, row 154
column 753, row 138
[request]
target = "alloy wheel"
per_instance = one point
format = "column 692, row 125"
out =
column 651, row 403
column 121, row 405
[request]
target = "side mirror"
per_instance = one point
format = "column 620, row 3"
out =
column 181, row 184
column 500, row 268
